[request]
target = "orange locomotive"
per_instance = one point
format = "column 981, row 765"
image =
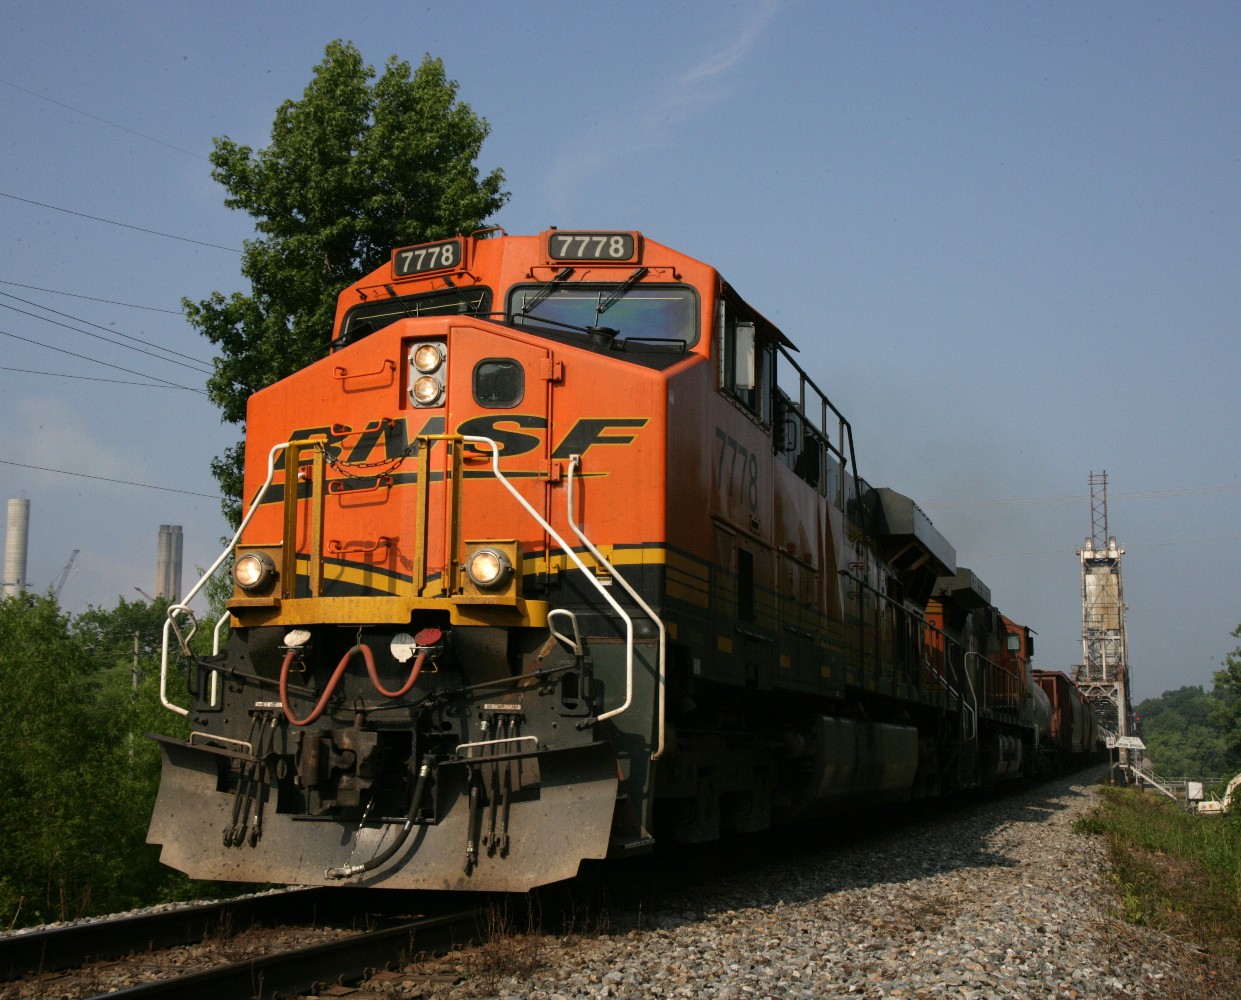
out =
column 557, row 552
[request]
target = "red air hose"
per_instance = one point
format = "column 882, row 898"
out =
column 413, row 674
column 327, row 692
column 427, row 637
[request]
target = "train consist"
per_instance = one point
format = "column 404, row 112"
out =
column 558, row 553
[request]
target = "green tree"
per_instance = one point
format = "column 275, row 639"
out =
column 110, row 634
column 358, row 166
column 1182, row 735
column 1228, row 687
column 76, row 776
column 44, row 674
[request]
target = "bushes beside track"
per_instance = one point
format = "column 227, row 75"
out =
column 77, row 777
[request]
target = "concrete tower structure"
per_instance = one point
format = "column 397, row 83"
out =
column 16, row 540
column 168, row 562
column 1103, row 674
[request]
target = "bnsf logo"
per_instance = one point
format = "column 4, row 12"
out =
column 389, row 438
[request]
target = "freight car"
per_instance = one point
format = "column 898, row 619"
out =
column 1072, row 733
column 558, row 552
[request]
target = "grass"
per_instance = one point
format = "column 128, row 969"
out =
column 1177, row 872
column 502, row 951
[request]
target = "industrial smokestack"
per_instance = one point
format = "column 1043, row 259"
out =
column 168, row 562
column 15, row 544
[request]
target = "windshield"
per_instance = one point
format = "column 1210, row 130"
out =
column 364, row 320
column 641, row 312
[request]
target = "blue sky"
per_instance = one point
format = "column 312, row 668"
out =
column 1006, row 238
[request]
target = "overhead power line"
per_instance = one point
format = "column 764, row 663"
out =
column 96, row 361
column 91, row 298
column 194, row 363
column 1129, row 547
column 105, row 479
column 113, row 222
column 92, row 378
column 110, row 124
column 1082, row 498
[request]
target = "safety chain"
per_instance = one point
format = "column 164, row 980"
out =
column 391, row 464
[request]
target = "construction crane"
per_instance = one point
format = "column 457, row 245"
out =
column 59, row 584
column 1214, row 807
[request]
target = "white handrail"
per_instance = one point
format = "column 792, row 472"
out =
column 183, row 606
column 575, row 462
column 495, row 743
column 568, row 550
column 1139, row 774
column 575, row 643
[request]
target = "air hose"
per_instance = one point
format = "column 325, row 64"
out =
column 386, row 855
column 425, row 640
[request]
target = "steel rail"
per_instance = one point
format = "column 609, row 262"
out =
column 347, row 960
column 59, row 948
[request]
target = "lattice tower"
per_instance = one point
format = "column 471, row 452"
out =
column 1098, row 509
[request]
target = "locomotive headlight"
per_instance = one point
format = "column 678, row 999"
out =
column 488, row 568
column 254, row 571
column 426, row 390
column 427, row 364
column 427, row 358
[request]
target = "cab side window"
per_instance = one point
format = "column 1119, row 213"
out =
column 746, row 362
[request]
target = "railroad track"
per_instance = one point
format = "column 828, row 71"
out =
column 397, row 927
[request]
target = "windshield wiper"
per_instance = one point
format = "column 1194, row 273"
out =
column 364, row 328
column 602, row 335
column 465, row 299
column 599, row 334
column 400, row 302
column 618, row 292
column 561, row 276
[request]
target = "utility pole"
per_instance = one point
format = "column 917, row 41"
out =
column 134, row 681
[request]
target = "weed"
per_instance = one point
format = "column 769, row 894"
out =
column 1089, row 826
column 508, row 953
column 1177, row 872
column 505, row 953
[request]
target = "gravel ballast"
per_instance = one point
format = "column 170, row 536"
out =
column 999, row 899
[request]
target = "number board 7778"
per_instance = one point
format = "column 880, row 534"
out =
column 615, row 248
column 443, row 255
